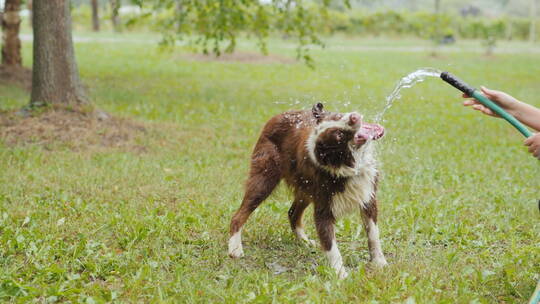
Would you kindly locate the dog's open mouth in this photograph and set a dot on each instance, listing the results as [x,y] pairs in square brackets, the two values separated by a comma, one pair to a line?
[367,132]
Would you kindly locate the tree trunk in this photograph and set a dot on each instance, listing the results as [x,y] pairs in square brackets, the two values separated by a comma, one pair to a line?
[11,21]
[532,29]
[29,7]
[115,16]
[95,15]
[55,77]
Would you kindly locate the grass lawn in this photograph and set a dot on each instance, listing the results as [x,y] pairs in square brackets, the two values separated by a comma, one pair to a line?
[459,216]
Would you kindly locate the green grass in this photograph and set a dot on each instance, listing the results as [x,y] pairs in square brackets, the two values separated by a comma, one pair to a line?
[459,216]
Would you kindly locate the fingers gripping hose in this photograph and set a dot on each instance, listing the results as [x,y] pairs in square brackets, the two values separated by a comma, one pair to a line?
[472,92]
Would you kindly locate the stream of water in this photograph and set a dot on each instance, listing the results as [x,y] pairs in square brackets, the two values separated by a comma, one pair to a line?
[406,82]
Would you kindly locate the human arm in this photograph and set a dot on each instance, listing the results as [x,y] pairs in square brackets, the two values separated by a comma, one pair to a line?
[526,113]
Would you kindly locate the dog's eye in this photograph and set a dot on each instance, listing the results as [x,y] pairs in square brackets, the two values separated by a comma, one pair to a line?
[339,135]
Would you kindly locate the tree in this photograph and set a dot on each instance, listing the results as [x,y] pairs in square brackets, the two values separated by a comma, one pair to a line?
[115,16]
[95,15]
[217,24]
[55,77]
[11,47]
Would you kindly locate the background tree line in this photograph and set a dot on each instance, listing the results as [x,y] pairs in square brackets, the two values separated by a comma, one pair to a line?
[465,23]
[215,26]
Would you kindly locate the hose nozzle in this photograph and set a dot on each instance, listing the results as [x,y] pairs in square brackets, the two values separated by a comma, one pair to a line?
[458,83]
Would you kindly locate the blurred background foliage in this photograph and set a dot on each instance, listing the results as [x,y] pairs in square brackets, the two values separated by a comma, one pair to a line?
[495,19]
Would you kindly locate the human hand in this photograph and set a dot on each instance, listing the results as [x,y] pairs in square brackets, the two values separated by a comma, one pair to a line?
[533,143]
[504,100]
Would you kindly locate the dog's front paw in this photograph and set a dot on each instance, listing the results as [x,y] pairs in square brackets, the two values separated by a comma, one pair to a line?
[235,246]
[379,262]
[301,235]
[236,252]
[311,242]
[342,273]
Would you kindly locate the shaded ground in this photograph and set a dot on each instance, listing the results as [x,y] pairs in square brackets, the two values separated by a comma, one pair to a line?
[19,76]
[76,130]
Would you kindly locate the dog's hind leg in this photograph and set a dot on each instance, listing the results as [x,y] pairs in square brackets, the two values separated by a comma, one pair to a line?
[296,213]
[264,176]
[369,218]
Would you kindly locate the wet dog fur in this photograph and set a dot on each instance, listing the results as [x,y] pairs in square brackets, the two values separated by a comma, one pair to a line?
[326,159]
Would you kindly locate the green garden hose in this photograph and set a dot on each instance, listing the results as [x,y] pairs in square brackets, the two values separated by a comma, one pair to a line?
[472,92]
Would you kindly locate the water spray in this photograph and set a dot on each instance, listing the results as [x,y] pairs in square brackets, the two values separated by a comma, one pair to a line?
[476,94]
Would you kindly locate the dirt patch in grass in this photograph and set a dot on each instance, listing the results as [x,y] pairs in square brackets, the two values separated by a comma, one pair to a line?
[19,76]
[243,57]
[76,130]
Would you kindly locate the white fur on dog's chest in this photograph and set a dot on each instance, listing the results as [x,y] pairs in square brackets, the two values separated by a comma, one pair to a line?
[359,190]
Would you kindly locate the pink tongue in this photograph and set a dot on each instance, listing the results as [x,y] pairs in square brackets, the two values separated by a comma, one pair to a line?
[370,131]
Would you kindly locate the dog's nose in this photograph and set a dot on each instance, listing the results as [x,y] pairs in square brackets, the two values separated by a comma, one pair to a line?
[354,119]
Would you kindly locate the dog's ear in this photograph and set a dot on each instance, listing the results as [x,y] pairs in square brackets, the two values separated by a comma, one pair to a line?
[317,111]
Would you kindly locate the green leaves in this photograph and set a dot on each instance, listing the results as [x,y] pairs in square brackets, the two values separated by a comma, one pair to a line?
[214,26]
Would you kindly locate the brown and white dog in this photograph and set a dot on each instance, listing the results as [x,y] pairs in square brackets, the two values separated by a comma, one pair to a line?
[327,159]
